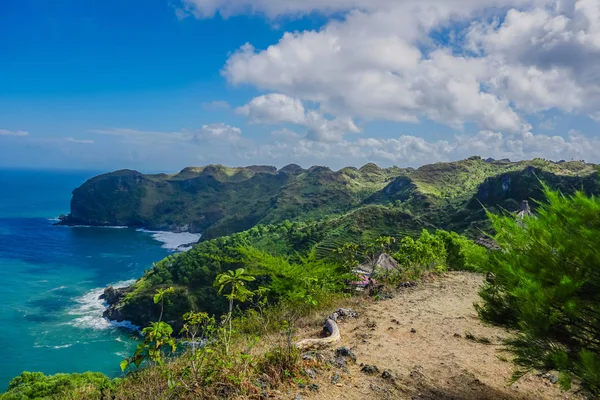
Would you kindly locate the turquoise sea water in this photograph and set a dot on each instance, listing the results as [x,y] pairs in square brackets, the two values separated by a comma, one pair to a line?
[51,277]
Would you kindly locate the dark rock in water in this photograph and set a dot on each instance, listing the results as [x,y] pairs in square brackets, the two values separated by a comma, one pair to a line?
[114,295]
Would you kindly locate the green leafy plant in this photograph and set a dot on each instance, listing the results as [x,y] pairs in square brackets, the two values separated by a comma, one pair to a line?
[157,337]
[35,385]
[236,280]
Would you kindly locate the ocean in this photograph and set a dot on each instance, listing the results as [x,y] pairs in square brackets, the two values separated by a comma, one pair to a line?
[51,278]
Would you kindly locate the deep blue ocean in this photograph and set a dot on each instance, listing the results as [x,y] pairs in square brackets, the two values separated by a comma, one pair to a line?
[51,277]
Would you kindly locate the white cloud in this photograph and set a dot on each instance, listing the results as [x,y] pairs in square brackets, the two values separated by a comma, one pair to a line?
[380,60]
[278,108]
[358,68]
[220,133]
[273,109]
[411,150]
[271,8]
[277,8]
[545,58]
[328,130]
[79,141]
[4,132]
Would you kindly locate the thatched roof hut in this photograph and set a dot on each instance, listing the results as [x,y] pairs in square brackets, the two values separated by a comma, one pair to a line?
[383,262]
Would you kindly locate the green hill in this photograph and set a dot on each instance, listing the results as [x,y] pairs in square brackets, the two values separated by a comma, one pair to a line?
[217,200]
[293,212]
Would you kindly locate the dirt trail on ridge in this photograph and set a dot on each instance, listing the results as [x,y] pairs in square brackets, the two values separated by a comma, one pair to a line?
[420,337]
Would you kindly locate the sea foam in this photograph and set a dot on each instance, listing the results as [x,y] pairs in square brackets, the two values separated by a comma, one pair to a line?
[174,241]
[90,308]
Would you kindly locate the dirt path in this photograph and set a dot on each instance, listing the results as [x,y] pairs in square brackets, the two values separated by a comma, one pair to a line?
[420,337]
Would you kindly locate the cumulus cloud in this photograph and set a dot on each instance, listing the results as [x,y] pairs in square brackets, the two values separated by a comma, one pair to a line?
[381,60]
[273,109]
[278,108]
[5,132]
[271,8]
[220,133]
[546,58]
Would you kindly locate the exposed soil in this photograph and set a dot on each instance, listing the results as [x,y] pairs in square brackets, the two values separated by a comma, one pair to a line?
[430,341]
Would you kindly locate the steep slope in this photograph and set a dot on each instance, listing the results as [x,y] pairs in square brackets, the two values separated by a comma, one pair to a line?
[455,196]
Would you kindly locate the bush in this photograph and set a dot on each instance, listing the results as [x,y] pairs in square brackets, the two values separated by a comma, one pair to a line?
[35,385]
[462,254]
[547,284]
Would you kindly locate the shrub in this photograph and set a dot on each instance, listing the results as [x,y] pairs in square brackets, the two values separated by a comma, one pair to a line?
[462,254]
[547,284]
[35,385]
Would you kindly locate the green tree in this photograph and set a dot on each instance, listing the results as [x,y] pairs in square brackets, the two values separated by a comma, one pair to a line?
[236,280]
[347,256]
[547,284]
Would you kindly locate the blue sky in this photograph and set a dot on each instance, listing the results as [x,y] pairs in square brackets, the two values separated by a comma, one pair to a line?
[160,85]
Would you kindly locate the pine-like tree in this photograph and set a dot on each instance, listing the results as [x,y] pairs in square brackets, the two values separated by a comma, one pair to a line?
[547,285]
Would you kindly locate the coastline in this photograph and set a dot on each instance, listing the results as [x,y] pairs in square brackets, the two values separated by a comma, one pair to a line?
[178,240]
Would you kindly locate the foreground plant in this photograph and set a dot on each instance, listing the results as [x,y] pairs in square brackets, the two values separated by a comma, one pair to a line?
[236,280]
[157,337]
[547,285]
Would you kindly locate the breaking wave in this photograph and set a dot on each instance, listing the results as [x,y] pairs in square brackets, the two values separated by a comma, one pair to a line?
[90,308]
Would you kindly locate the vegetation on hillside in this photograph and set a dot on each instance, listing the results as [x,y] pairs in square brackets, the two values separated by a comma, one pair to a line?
[250,346]
[220,319]
[218,201]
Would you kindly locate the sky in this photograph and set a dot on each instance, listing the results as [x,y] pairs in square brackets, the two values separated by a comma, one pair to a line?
[158,85]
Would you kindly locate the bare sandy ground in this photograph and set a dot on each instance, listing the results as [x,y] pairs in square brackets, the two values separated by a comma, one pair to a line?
[420,337]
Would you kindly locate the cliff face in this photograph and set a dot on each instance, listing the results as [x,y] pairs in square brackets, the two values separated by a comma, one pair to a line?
[217,200]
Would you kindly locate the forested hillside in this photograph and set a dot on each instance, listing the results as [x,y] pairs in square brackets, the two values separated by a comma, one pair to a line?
[218,201]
